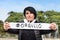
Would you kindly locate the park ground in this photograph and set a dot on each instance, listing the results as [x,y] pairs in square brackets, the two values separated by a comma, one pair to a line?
[17,39]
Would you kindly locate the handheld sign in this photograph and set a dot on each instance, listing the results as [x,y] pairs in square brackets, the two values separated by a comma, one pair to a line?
[37,26]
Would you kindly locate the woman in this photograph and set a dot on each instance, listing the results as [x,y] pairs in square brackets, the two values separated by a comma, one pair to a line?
[26,34]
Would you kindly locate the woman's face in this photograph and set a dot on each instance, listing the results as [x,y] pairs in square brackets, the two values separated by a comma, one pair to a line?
[29,16]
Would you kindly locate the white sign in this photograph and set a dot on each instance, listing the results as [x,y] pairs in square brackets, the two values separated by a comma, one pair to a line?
[37,26]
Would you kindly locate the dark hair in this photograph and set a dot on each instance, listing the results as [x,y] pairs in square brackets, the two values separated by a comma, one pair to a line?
[32,10]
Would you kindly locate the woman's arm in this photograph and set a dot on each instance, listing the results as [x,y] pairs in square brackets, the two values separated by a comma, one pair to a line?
[7,29]
[52,29]
[46,31]
[13,31]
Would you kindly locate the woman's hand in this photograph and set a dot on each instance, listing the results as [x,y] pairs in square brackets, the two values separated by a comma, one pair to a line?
[53,26]
[6,26]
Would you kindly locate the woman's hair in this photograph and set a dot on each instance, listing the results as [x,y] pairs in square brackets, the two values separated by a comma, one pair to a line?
[32,10]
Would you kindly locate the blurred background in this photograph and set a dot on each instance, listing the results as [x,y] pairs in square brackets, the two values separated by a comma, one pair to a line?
[47,11]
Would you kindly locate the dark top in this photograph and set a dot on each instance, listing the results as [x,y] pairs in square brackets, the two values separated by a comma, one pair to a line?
[28,35]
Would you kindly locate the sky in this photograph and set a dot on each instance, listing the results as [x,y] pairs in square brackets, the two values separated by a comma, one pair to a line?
[19,5]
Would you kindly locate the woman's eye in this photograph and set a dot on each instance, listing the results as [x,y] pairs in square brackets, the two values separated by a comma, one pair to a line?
[27,13]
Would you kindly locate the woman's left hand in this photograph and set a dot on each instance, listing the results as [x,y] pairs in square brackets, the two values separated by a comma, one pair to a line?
[53,26]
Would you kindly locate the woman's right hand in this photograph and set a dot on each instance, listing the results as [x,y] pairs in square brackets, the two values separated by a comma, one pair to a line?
[6,26]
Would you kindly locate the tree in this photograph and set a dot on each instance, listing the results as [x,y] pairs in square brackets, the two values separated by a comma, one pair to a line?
[1,25]
[14,17]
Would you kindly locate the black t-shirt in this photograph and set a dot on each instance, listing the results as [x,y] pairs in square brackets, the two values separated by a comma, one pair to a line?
[28,35]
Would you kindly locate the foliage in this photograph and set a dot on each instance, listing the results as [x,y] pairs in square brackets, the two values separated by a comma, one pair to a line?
[14,17]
